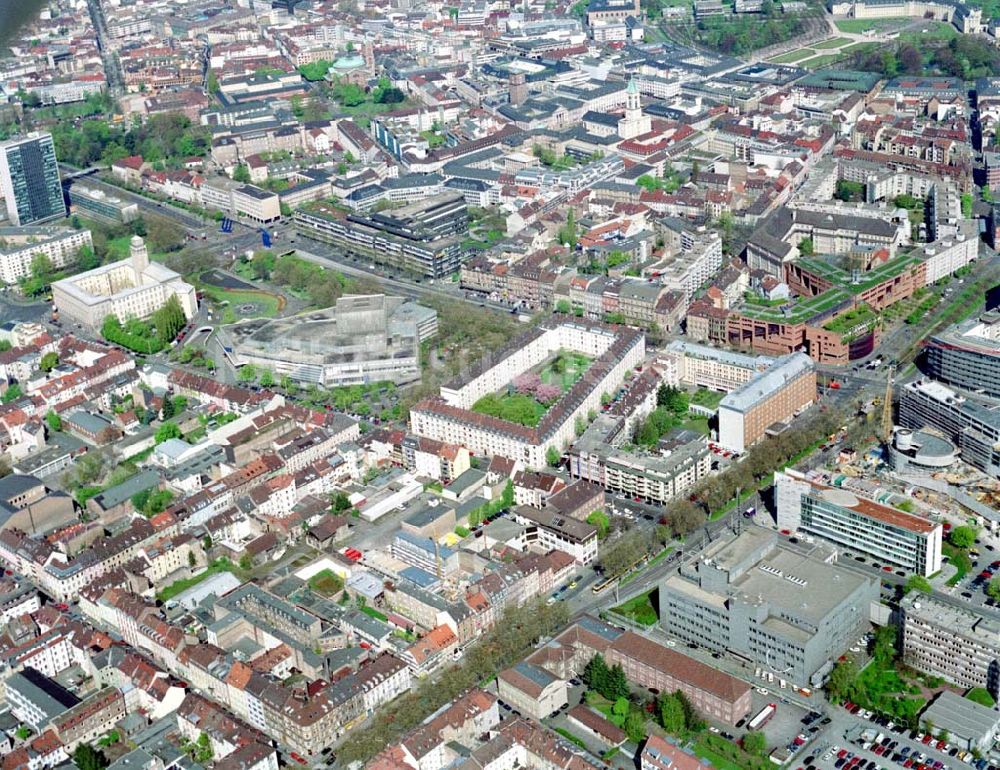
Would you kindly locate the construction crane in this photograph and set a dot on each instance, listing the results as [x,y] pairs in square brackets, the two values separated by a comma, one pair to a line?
[887,407]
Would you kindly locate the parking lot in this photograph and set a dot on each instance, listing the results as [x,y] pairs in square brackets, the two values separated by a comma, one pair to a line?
[860,741]
[796,728]
[985,567]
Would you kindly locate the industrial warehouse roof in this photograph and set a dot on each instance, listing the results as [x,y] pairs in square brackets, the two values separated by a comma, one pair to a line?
[962,717]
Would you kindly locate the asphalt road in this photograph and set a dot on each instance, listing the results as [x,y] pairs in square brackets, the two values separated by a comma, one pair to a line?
[325,255]
[12,309]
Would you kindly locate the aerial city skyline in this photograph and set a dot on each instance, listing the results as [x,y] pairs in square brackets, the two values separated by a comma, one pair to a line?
[553,384]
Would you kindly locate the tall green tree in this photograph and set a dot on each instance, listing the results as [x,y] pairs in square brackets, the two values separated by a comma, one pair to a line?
[247,374]
[754,743]
[86,757]
[49,361]
[884,646]
[596,674]
[672,715]
[54,421]
[692,719]
[918,583]
[962,537]
[568,234]
[166,432]
[635,726]
[169,320]
[843,681]
[617,683]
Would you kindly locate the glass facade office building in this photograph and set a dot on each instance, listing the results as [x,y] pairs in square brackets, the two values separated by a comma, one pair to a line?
[29,178]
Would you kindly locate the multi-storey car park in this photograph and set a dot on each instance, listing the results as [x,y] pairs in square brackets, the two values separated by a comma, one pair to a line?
[449,417]
[855,268]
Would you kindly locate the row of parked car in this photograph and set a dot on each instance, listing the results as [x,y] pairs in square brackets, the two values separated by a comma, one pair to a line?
[912,758]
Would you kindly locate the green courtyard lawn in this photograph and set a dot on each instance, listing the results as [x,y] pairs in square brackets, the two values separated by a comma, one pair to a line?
[752,297]
[374,613]
[882,689]
[179,586]
[267,305]
[481,238]
[697,424]
[791,57]
[935,30]
[981,696]
[860,315]
[820,62]
[727,755]
[707,398]
[513,407]
[639,609]
[560,371]
[565,368]
[326,583]
[597,701]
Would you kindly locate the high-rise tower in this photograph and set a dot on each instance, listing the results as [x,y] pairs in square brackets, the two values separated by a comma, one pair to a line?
[29,179]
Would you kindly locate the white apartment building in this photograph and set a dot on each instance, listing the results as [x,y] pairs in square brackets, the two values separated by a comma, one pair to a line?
[449,418]
[35,699]
[546,530]
[241,200]
[657,87]
[133,288]
[945,256]
[887,534]
[696,257]
[687,363]
[657,479]
[19,245]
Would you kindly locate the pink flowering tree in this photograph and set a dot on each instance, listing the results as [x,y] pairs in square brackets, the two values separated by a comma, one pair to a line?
[547,393]
[527,383]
